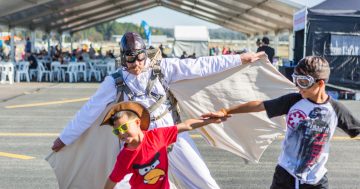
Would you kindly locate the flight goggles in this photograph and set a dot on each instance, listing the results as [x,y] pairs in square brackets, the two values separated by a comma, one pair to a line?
[303,81]
[122,128]
[132,56]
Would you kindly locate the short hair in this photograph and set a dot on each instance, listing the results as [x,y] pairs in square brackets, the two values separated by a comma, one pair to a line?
[129,114]
[265,40]
[315,66]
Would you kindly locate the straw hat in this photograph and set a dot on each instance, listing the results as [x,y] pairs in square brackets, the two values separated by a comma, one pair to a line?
[135,107]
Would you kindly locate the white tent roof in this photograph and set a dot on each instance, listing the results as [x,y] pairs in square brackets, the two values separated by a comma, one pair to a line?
[191,33]
[247,16]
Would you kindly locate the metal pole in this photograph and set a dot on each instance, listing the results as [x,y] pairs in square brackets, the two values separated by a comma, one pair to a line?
[33,39]
[305,32]
[71,42]
[291,45]
[60,40]
[12,45]
[48,40]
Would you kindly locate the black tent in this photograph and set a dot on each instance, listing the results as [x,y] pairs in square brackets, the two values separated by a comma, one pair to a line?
[333,31]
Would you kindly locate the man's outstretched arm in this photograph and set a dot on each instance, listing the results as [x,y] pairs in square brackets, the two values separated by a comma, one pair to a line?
[175,69]
[87,114]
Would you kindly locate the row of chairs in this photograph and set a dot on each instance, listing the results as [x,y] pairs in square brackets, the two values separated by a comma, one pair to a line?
[58,72]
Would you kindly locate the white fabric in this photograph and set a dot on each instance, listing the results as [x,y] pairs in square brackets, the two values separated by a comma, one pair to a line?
[185,163]
[246,135]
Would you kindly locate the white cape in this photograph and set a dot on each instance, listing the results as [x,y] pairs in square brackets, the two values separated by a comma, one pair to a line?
[246,135]
[89,160]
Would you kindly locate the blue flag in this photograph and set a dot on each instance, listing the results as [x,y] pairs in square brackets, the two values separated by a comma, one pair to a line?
[147,31]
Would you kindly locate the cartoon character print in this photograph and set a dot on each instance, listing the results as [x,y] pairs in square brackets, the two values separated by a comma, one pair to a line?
[149,171]
[313,134]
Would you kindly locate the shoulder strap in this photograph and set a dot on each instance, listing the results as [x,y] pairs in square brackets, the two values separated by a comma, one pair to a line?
[121,87]
[155,73]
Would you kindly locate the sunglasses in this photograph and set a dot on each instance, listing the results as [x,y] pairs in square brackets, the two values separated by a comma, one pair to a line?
[122,128]
[304,81]
[135,55]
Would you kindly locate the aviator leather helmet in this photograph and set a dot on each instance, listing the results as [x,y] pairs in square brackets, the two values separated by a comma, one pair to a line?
[131,44]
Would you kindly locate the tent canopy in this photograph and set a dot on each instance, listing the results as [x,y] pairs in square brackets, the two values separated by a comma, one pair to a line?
[334,8]
[247,16]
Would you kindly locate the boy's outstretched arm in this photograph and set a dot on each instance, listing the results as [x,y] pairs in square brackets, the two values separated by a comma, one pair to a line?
[109,184]
[252,106]
[192,124]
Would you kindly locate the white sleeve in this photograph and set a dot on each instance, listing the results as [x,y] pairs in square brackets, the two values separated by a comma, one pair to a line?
[105,94]
[175,69]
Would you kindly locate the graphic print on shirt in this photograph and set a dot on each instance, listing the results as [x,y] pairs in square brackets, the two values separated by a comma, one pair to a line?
[313,133]
[295,117]
[149,171]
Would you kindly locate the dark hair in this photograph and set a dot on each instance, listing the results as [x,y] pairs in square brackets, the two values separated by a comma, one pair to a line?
[129,114]
[265,40]
[315,66]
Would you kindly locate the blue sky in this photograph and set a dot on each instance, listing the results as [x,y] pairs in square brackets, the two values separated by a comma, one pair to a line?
[167,18]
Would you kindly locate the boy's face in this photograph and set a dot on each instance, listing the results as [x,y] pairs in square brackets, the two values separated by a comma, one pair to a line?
[129,130]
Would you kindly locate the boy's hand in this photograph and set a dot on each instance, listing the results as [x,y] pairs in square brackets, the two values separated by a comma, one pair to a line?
[58,144]
[218,114]
[215,120]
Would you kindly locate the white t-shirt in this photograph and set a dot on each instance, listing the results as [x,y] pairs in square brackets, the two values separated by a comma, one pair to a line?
[310,126]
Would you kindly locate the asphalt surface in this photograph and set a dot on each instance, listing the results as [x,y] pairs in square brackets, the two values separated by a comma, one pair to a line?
[28,132]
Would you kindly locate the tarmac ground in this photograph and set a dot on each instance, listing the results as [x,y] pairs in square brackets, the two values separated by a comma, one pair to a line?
[33,114]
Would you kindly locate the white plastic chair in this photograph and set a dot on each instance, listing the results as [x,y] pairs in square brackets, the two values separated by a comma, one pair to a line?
[42,71]
[23,71]
[93,70]
[72,72]
[110,67]
[7,71]
[81,69]
[56,71]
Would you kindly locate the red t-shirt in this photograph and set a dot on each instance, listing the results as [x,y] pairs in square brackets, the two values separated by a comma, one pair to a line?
[148,162]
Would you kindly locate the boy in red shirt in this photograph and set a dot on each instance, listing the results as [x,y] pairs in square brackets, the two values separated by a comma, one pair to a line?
[145,152]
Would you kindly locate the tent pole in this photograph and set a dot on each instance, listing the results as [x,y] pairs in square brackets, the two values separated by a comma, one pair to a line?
[12,45]
[33,39]
[48,42]
[291,45]
[305,32]
[60,38]
[71,42]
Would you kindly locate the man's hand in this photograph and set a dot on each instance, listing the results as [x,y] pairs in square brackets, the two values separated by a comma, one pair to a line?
[252,57]
[58,144]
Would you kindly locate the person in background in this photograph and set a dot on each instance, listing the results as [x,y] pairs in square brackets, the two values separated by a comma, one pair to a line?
[28,45]
[32,60]
[266,48]
[184,55]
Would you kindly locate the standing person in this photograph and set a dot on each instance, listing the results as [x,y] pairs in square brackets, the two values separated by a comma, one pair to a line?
[139,82]
[28,45]
[145,151]
[266,48]
[312,117]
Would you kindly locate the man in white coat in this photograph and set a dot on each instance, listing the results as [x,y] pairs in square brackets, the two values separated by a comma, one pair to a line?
[185,161]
